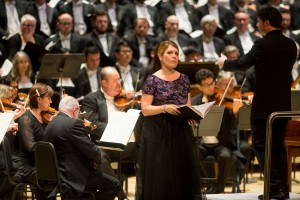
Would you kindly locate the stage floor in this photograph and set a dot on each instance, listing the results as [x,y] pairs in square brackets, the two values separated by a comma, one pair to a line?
[243,196]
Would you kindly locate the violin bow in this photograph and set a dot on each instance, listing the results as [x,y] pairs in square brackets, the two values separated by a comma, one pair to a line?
[225,91]
[135,87]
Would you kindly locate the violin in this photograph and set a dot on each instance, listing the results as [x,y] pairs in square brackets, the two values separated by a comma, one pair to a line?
[8,105]
[127,99]
[48,115]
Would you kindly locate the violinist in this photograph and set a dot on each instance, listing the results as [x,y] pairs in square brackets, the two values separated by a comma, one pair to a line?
[102,104]
[70,140]
[223,146]
[31,130]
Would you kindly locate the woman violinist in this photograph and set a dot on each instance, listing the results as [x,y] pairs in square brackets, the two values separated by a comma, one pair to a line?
[31,130]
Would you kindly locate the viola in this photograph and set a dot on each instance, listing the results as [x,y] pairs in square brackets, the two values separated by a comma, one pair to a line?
[127,99]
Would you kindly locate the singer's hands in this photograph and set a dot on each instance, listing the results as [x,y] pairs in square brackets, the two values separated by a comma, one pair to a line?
[221,61]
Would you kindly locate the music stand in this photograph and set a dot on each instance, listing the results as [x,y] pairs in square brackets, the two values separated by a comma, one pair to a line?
[190,69]
[244,118]
[295,100]
[210,125]
[55,66]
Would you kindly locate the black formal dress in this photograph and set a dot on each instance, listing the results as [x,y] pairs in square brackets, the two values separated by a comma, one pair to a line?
[273,58]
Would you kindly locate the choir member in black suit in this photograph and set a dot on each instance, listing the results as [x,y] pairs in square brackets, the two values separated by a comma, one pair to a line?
[77,152]
[100,36]
[11,12]
[141,43]
[45,15]
[89,77]
[27,34]
[141,10]
[268,70]
[64,40]
[81,11]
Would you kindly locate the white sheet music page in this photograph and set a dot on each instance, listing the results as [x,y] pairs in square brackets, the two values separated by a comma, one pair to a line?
[204,108]
[120,127]
[6,67]
[5,120]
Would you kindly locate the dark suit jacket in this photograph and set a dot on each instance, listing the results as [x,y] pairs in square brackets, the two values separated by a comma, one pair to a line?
[130,17]
[76,44]
[218,43]
[87,10]
[96,102]
[51,17]
[120,12]
[131,39]
[226,16]
[168,8]
[82,83]
[91,39]
[233,39]
[273,63]
[20,6]
[74,149]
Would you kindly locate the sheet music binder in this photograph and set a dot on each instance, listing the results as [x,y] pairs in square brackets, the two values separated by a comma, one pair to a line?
[55,66]
[190,69]
[210,125]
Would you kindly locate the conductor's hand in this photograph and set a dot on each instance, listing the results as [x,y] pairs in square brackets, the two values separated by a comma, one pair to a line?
[221,61]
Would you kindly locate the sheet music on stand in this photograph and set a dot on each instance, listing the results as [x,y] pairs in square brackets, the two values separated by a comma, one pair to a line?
[5,120]
[119,130]
[210,125]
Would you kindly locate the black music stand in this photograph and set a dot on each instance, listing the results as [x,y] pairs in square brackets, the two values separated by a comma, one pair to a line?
[190,69]
[295,100]
[55,66]
[210,125]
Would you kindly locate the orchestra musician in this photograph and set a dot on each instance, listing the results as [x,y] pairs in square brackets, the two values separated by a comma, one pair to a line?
[168,165]
[76,151]
[31,130]
[102,104]
[268,70]
[223,147]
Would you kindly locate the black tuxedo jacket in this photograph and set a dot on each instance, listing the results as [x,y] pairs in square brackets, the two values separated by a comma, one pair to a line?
[168,8]
[131,39]
[218,43]
[91,39]
[130,17]
[74,149]
[273,57]
[87,11]
[76,44]
[226,17]
[52,15]
[82,83]
[233,39]
[120,12]
[96,102]
[20,6]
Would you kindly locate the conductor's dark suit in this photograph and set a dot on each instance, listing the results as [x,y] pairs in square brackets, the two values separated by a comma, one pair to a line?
[273,57]
[76,154]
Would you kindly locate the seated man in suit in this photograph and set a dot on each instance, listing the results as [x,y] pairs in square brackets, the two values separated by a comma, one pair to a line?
[76,151]
[102,104]
[223,146]
[88,79]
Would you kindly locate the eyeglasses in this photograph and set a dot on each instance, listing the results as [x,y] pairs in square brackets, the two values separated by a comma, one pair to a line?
[66,23]
[28,25]
[125,51]
[205,85]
